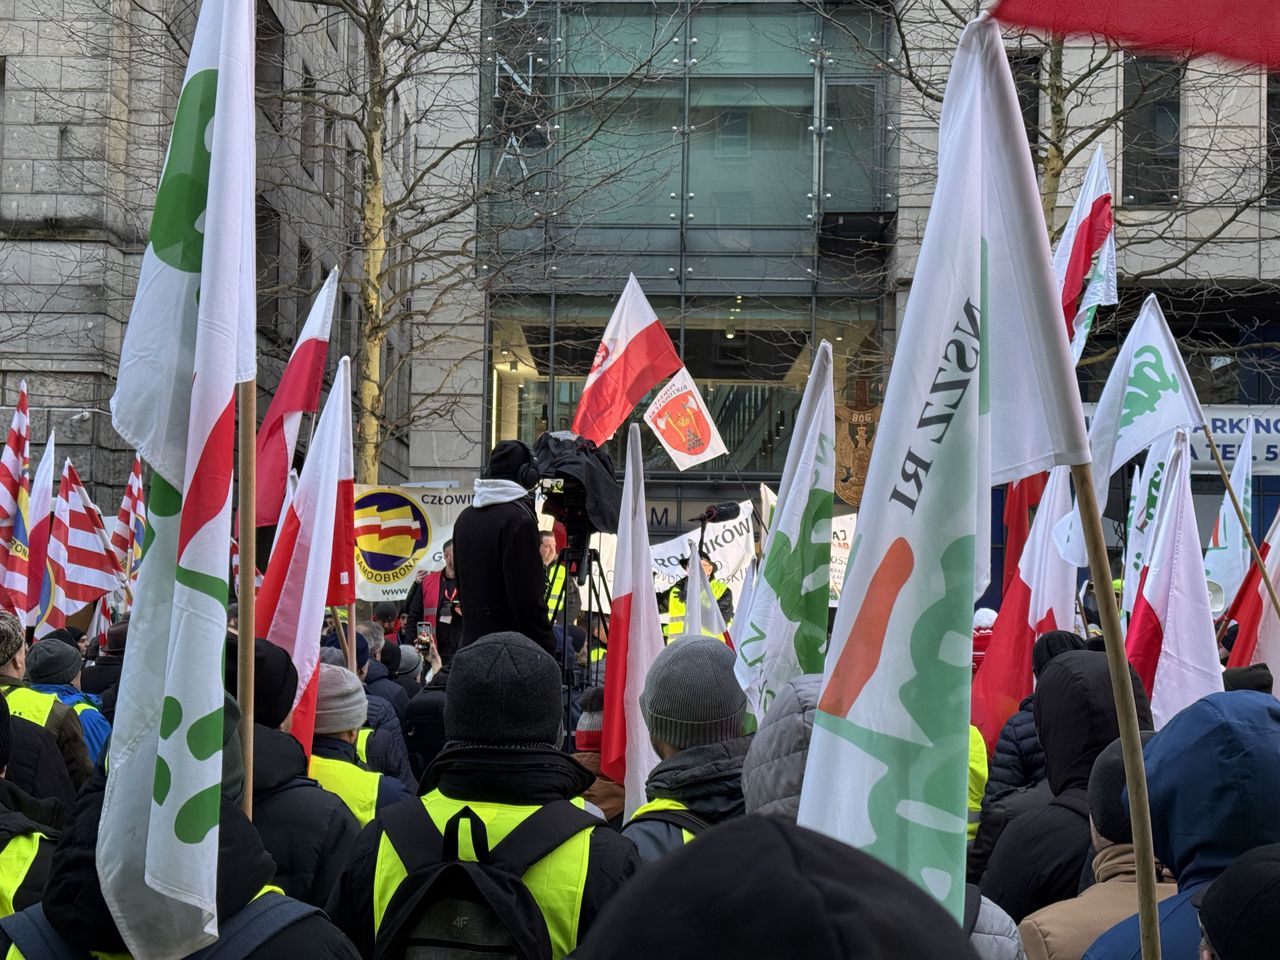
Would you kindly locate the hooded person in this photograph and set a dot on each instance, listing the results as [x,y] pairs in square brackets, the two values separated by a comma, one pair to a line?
[694,708]
[606,794]
[1238,910]
[341,708]
[759,887]
[377,678]
[1041,856]
[1213,776]
[500,575]
[1018,760]
[306,829]
[75,914]
[29,830]
[380,744]
[773,773]
[503,719]
[102,677]
[43,709]
[424,721]
[56,668]
[1064,930]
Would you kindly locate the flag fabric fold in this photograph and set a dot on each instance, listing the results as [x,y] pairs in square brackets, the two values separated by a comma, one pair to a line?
[1148,480]
[14,464]
[1227,556]
[982,352]
[635,355]
[39,525]
[1020,498]
[1170,640]
[635,640]
[784,634]
[1089,233]
[1040,598]
[703,617]
[1147,394]
[190,339]
[1257,626]
[82,566]
[295,589]
[298,393]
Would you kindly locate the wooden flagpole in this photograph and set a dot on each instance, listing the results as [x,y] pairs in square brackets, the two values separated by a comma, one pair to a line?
[1244,524]
[1126,710]
[248,429]
[348,648]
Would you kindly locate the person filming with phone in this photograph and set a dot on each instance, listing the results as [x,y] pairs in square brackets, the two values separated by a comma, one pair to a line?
[434,601]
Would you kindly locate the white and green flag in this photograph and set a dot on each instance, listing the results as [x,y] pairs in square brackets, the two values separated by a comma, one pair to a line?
[1227,555]
[1148,394]
[784,634]
[190,339]
[983,352]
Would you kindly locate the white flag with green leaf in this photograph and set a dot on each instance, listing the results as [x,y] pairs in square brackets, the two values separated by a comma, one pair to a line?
[982,353]
[1227,555]
[190,339]
[784,634]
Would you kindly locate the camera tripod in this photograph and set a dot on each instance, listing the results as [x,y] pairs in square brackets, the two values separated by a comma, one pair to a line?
[579,569]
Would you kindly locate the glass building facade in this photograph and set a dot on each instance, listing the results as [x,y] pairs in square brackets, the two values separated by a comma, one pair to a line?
[736,157]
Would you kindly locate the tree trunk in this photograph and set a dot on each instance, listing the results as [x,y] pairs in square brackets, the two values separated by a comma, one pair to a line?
[1052,163]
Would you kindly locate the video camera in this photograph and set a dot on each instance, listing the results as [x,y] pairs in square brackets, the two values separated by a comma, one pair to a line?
[580,491]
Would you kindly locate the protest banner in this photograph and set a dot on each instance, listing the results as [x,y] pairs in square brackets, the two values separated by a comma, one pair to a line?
[400,530]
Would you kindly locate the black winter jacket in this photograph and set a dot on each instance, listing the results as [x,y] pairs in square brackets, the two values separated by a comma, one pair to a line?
[1018,760]
[75,907]
[103,673]
[306,829]
[23,815]
[385,751]
[378,683]
[501,579]
[35,763]
[424,723]
[491,775]
[1041,856]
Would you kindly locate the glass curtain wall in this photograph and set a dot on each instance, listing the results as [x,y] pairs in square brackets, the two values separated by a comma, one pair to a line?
[701,147]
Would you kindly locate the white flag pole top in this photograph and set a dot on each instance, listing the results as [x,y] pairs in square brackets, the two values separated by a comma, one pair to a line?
[1147,394]
[784,634]
[983,353]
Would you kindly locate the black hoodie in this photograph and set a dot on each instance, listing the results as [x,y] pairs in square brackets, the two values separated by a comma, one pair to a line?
[307,830]
[22,815]
[1041,855]
[74,905]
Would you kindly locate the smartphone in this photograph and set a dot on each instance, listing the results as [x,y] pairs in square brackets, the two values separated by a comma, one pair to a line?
[424,633]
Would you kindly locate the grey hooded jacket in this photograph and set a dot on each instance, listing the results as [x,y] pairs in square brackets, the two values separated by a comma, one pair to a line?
[773,773]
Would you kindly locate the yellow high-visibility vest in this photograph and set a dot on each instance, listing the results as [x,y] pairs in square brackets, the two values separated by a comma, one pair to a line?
[357,788]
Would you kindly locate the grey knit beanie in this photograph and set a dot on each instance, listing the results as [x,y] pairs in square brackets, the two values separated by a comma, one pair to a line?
[341,703]
[504,691]
[691,696]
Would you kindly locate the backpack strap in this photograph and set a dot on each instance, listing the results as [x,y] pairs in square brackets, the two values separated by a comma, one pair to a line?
[972,907]
[539,833]
[684,819]
[414,835]
[253,925]
[31,932]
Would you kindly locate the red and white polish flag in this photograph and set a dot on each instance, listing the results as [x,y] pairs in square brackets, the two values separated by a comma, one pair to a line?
[1089,234]
[296,588]
[14,461]
[635,640]
[635,355]
[1171,639]
[39,522]
[298,393]
[1257,627]
[1040,598]
[82,566]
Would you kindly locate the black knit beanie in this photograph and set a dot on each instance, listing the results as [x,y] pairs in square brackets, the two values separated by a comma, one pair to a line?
[504,691]
[275,681]
[1257,677]
[1050,644]
[1107,806]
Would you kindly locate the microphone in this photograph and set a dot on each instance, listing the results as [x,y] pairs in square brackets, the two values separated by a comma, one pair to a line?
[718,513]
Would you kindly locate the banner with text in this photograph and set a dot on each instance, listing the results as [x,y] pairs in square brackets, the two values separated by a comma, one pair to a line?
[1227,424]
[842,529]
[398,531]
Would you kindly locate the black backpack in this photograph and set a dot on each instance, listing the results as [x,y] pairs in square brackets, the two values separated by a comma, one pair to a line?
[684,819]
[451,909]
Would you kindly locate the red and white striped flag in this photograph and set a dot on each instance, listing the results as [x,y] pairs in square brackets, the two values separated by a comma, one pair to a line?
[1040,598]
[1089,234]
[81,565]
[296,589]
[39,522]
[1257,627]
[298,393]
[635,355]
[131,525]
[14,463]
[635,640]
[1170,640]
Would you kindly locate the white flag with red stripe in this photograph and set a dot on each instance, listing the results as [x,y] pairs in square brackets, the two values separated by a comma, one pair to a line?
[1171,640]
[130,530]
[32,572]
[1148,393]
[82,566]
[635,355]
[298,393]
[14,463]
[1041,597]
[1257,626]
[295,590]
[635,640]
[1084,282]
